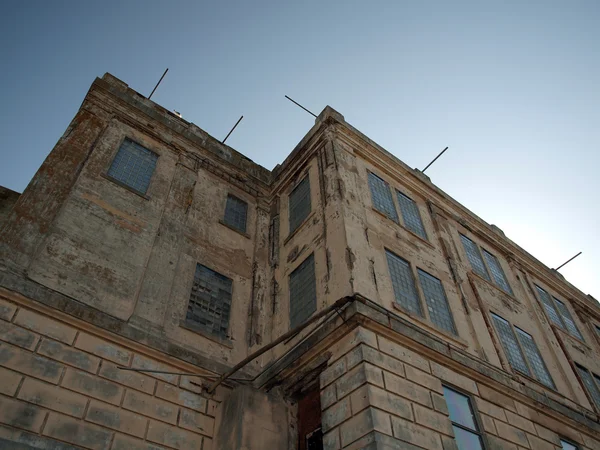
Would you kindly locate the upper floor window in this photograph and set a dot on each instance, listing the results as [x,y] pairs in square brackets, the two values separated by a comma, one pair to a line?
[133,166]
[236,212]
[299,204]
[411,215]
[591,381]
[558,313]
[210,301]
[566,445]
[303,292]
[465,426]
[479,266]
[407,297]
[382,197]
[522,352]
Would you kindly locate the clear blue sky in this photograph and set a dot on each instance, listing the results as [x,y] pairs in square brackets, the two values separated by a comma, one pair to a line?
[511,87]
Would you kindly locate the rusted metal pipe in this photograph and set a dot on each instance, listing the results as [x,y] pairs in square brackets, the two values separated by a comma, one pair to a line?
[338,304]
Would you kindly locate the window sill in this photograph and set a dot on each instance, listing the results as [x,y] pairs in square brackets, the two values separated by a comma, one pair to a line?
[124,186]
[430,327]
[496,287]
[566,333]
[530,379]
[297,230]
[243,233]
[204,333]
[412,233]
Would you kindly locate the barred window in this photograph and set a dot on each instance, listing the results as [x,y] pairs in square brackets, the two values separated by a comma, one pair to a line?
[591,382]
[534,358]
[210,301]
[558,313]
[403,284]
[382,197]
[303,292]
[236,212]
[299,203]
[465,426]
[497,272]
[474,257]
[510,344]
[133,166]
[410,215]
[437,303]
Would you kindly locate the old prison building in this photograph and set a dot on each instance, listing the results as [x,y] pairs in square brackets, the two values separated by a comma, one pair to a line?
[159,290]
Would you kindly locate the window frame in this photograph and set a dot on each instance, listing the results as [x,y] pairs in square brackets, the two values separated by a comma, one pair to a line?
[398,211]
[298,223]
[564,440]
[490,277]
[476,416]
[595,379]
[563,324]
[106,174]
[230,225]
[314,282]
[419,292]
[532,375]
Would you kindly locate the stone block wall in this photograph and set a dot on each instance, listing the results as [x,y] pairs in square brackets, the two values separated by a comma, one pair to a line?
[378,394]
[60,388]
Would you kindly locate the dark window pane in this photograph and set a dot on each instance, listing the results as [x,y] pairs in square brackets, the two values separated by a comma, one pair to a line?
[568,446]
[474,257]
[382,197]
[567,319]
[411,216]
[497,272]
[236,211]
[210,301]
[588,381]
[511,347]
[403,284]
[437,303]
[133,166]
[303,292]
[549,307]
[465,440]
[535,358]
[459,407]
[299,204]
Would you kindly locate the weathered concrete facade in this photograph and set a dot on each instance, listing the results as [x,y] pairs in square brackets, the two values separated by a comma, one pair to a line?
[95,276]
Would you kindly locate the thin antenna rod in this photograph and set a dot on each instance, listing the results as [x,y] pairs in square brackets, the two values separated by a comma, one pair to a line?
[296,103]
[161,78]
[236,124]
[434,160]
[564,264]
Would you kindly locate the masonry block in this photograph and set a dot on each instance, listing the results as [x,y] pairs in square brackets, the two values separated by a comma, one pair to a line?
[150,406]
[29,363]
[370,419]
[46,326]
[9,381]
[69,355]
[496,443]
[424,379]
[408,389]
[92,386]
[172,436]
[185,398]
[16,335]
[333,372]
[53,397]
[439,403]
[454,378]
[77,432]
[196,422]
[103,349]
[116,419]
[7,310]
[403,354]
[123,442]
[416,434]
[147,363]
[434,420]
[128,378]
[331,440]
[490,409]
[21,415]
[512,434]
[336,414]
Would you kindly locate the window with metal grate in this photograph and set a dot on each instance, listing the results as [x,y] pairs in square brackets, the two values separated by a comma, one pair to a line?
[474,257]
[437,303]
[558,313]
[303,292]
[133,166]
[236,212]
[566,445]
[299,204]
[534,358]
[497,272]
[464,422]
[511,346]
[210,301]
[382,197]
[403,283]
[411,215]
[591,382]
